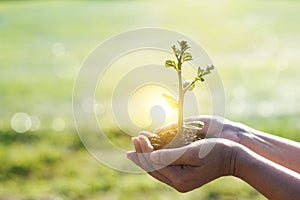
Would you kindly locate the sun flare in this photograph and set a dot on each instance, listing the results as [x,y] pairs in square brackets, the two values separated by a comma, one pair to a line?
[147,107]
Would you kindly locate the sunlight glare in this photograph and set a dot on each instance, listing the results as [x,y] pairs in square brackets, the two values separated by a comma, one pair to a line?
[147,106]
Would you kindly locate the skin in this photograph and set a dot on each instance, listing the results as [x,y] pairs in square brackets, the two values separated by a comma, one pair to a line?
[279,150]
[239,151]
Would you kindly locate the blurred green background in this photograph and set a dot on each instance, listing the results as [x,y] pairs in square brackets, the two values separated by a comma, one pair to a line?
[255,46]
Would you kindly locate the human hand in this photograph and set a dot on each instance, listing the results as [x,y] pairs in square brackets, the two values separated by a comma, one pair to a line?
[185,168]
[215,127]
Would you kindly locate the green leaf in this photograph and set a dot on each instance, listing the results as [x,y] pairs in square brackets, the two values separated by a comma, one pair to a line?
[186,83]
[173,103]
[198,125]
[192,87]
[211,67]
[183,46]
[186,57]
[200,71]
[190,127]
[208,70]
[171,63]
[175,50]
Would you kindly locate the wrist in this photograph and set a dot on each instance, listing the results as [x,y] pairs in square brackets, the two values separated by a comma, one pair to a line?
[235,132]
[244,159]
[232,156]
[265,175]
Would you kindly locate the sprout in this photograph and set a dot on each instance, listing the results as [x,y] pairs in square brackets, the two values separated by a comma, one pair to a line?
[183,56]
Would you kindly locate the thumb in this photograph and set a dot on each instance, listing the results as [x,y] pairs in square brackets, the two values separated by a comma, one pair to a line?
[179,156]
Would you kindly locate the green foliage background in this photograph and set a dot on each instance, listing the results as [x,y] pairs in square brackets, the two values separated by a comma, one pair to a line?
[255,46]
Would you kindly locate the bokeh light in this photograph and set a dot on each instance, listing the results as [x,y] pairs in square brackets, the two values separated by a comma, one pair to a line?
[20,122]
[35,123]
[58,49]
[58,124]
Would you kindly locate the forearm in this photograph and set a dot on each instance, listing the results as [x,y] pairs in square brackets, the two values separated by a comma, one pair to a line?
[280,150]
[272,180]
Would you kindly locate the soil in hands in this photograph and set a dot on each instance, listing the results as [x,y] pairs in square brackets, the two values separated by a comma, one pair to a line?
[168,139]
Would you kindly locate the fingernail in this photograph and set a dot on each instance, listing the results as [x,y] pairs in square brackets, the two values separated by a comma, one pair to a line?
[145,133]
[142,137]
[134,140]
[154,156]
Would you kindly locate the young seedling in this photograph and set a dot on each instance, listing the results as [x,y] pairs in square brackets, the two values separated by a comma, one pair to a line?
[185,133]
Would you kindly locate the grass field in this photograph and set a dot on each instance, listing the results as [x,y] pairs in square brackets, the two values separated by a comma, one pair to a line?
[254,45]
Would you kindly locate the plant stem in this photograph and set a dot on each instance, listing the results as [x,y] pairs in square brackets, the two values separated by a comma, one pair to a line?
[188,87]
[180,102]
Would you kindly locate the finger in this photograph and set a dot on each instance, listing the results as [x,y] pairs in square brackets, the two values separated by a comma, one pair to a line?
[213,125]
[160,172]
[146,133]
[136,144]
[186,155]
[138,160]
[206,119]
[139,156]
[155,174]
[146,148]
[145,144]
[143,154]
[203,118]
[166,175]
[131,155]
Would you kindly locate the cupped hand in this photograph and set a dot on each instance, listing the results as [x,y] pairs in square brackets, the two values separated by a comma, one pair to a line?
[215,127]
[186,168]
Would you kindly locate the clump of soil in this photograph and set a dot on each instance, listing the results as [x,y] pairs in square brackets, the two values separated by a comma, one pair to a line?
[169,139]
